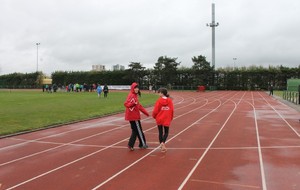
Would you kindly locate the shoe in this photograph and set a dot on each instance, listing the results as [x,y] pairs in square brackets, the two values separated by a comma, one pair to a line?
[144,147]
[130,148]
[163,147]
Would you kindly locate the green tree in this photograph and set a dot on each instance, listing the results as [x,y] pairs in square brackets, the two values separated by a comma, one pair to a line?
[165,70]
[203,72]
[136,72]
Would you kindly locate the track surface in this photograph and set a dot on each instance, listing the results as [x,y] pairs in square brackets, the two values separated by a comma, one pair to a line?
[218,140]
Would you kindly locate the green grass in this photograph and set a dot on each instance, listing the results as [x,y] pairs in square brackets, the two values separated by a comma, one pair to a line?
[278,93]
[29,110]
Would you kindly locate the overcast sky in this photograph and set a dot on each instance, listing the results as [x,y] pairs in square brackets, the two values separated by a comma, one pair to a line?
[76,34]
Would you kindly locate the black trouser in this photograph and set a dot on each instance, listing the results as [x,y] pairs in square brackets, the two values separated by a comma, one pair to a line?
[163,135]
[136,131]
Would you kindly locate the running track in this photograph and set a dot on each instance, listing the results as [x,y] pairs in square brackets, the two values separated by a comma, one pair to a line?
[218,140]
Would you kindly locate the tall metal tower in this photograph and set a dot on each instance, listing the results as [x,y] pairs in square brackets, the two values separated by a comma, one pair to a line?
[213,25]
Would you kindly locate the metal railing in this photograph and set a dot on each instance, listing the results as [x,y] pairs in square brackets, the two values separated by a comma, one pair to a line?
[291,96]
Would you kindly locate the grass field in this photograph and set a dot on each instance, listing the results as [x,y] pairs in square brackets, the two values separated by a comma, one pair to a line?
[29,110]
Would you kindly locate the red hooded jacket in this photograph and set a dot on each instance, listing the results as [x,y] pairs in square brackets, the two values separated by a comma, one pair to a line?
[133,107]
[163,111]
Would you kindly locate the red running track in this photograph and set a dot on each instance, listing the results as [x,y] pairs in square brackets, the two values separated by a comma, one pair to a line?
[218,140]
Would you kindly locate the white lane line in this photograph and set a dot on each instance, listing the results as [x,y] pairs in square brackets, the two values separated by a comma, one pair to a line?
[47,150]
[209,146]
[230,184]
[261,163]
[281,116]
[205,152]
[56,134]
[262,169]
[62,166]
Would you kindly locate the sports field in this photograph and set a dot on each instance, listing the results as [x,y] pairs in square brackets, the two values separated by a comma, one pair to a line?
[23,110]
[218,140]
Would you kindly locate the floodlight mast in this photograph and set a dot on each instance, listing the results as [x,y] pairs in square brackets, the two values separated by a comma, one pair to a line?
[213,24]
[37,56]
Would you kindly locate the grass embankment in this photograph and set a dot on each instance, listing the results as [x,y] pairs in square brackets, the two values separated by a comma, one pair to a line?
[29,110]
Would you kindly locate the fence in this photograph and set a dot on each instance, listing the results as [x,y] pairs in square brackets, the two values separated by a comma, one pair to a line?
[291,96]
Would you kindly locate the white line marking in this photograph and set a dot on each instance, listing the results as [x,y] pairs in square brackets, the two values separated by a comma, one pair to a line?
[209,146]
[62,166]
[205,152]
[231,184]
[56,134]
[281,116]
[261,163]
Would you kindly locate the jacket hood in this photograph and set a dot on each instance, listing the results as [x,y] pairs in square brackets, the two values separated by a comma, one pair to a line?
[133,85]
[164,101]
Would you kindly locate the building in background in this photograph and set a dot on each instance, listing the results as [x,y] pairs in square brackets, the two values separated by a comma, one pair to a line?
[118,67]
[98,67]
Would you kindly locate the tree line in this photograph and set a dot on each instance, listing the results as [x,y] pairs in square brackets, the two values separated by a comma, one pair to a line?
[166,72]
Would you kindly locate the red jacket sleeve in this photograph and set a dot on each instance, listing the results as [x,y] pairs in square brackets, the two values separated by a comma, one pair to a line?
[130,102]
[156,109]
[172,109]
[143,110]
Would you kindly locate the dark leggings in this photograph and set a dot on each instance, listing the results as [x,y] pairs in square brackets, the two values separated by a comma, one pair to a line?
[163,134]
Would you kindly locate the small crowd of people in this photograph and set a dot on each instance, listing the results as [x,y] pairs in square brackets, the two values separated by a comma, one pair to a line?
[50,88]
[163,113]
[76,87]
[88,88]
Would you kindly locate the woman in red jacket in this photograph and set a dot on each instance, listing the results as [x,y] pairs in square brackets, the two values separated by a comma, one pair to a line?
[132,114]
[163,114]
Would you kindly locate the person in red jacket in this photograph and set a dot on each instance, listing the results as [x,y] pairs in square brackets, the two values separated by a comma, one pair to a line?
[163,113]
[132,114]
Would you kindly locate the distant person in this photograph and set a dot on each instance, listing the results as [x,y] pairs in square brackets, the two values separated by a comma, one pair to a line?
[55,87]
[154,88]
[163,113]
[105,90]
[49,88]
[132,114]
[271,90]
[150,88]
[99,90]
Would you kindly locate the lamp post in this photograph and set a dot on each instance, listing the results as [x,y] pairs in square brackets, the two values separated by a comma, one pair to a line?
[234,59]
[37,57]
